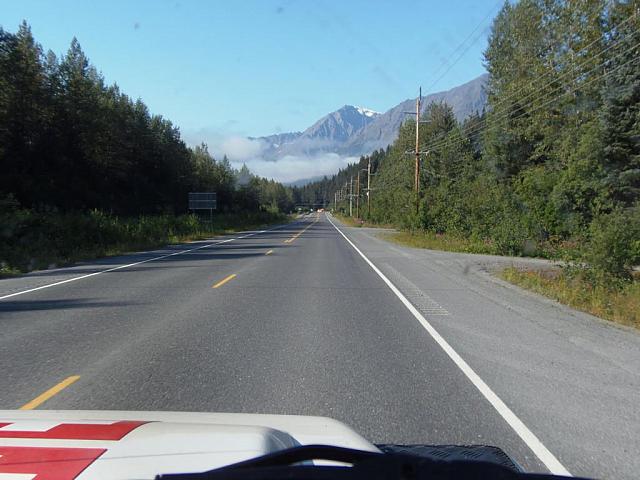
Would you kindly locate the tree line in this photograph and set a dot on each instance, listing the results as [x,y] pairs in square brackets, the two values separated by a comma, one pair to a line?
[71,143]
[555,157]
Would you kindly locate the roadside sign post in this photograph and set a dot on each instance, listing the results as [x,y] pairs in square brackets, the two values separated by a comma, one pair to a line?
[204,201]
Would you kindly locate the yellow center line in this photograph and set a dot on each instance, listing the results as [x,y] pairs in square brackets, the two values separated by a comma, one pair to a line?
[269,252]
[224,280]
[40,399]
[289,240]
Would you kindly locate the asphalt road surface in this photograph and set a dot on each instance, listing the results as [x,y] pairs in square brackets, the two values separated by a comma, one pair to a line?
[404,345]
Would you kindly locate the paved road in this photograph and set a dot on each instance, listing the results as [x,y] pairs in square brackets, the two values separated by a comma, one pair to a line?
[428,349]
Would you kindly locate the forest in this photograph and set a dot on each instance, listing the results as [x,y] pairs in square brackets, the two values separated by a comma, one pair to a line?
[69,142]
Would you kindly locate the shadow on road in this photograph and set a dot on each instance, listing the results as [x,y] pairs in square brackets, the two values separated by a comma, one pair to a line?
[39,305]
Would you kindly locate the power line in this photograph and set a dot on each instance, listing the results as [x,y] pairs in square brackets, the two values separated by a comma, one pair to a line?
[550,100]
[462,54]
[532,83]
[504,113]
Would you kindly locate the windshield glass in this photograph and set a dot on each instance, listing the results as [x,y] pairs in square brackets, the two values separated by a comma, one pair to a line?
[419,219]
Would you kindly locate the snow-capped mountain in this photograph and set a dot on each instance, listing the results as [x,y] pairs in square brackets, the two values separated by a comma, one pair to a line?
[330,131]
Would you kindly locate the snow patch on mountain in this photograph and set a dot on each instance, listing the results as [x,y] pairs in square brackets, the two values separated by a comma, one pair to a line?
[367,112]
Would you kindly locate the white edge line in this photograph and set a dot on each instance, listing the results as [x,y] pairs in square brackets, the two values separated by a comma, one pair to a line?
[42,287]
[529,438]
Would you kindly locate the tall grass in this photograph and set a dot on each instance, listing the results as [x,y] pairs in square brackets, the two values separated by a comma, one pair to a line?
[440,241]
[616,301]
[32,240]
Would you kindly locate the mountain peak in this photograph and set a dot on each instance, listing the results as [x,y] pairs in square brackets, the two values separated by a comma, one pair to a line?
[367,112]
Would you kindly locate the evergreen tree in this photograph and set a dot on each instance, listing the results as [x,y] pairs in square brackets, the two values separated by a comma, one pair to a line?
[620,114]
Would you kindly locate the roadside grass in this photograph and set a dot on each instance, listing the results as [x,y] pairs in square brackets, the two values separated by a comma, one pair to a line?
[357,222]
[620,305]
[220,227]
[437,241]
[30,241]
[552,249]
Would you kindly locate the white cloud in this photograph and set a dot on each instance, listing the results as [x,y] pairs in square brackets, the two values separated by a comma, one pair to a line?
[236,147]
[289,168]
[241,149]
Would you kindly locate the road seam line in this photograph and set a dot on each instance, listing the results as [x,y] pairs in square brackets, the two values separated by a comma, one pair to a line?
[224,280]
[43,397]
[527,436]
[61,282]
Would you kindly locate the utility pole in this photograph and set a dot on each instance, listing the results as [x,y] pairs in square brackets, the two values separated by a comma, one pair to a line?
[345,195]
[358,196]
[417,152]
[351,196]
[369,189]
[417,173]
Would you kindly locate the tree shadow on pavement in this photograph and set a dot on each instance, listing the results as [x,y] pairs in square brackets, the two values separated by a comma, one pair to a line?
[40,305]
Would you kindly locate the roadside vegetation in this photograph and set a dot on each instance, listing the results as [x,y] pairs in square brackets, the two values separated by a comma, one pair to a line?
[619,303]
[550,249]
[357,222]
[439,241]
[35,241]
[551,168]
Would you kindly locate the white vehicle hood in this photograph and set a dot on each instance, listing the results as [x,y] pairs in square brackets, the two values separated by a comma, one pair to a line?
[65,444]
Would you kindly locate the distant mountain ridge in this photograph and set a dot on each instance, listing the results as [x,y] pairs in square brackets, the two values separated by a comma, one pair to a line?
[355,131]
[326,135]
[304,181]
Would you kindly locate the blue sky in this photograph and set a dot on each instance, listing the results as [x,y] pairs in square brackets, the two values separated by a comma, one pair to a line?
[250,67]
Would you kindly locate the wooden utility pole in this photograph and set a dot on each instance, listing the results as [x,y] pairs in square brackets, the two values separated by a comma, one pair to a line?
[346,193]
[358,196]
[369,189]
[351,196]
[417,172]
[417,152]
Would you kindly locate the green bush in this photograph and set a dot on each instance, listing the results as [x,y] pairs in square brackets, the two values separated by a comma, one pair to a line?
[510,236]
[614,244]
[534,187]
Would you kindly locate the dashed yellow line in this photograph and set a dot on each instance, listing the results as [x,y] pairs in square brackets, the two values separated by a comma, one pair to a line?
[289,240]
[40,399]
[269,252]
[224,280]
